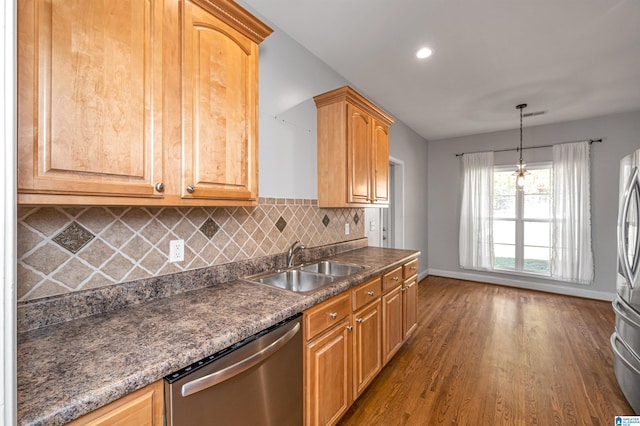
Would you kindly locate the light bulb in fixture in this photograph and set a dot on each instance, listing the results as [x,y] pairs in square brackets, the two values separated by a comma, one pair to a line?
[423,53]
[520,173]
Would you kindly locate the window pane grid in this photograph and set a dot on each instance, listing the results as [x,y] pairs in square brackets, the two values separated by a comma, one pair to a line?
[522,221]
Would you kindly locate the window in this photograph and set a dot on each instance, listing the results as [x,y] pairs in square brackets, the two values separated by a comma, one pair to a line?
[522,220]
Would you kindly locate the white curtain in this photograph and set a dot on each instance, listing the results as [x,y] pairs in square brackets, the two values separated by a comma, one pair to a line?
[572,258]
[476,214]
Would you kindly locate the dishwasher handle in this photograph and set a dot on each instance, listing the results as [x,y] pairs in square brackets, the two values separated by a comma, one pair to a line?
[217,377]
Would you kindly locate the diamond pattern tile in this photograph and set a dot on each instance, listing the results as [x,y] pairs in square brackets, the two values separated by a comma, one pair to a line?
[73,237]
[209,228]
[281,224]
[65,249]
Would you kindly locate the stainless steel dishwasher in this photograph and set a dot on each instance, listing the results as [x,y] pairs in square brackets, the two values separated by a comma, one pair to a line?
[257,381]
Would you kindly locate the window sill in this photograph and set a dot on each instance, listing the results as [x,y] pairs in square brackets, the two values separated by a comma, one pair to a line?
[522,273]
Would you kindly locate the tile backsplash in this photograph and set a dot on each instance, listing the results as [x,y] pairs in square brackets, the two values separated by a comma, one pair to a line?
[66,249]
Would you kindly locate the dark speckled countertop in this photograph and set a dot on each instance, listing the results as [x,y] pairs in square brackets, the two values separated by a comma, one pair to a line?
[69,369]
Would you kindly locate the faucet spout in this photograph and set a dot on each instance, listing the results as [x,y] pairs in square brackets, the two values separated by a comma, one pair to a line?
[295,247]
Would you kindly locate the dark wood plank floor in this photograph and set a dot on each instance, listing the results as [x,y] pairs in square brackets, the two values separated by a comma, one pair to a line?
[492,355]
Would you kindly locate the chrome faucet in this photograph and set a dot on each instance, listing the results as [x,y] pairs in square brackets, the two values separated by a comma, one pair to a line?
[295,247]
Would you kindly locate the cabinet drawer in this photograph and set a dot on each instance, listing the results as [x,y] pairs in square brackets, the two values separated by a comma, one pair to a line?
[409,269]
[392,279]
[325,315]
[366,293]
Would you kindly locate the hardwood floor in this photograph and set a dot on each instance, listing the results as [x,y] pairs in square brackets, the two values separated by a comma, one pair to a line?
[491,355]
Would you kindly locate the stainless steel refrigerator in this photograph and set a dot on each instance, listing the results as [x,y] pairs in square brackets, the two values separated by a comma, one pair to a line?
[625,341]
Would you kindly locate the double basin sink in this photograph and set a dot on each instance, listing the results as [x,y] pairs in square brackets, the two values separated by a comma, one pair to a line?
[307,278]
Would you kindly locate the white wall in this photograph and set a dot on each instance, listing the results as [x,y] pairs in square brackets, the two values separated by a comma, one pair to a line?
[622,135]
[290,76]
[407,146]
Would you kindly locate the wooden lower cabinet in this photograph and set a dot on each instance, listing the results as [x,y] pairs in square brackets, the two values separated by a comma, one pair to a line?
[143,407]
[328,375]
[367,345]
[410,306]
[392,327]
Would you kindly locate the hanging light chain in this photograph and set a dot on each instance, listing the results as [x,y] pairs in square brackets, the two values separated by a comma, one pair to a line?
[521,133]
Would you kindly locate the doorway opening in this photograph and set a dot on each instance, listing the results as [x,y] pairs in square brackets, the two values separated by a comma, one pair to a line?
[385,225]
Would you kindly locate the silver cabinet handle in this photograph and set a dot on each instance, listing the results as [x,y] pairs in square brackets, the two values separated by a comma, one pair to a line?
[395,278]
[413,268]
[370,293]
[191,189]
[159,187]
[359,320]
[349,327]
[333,315]
[213,379]
[403,289]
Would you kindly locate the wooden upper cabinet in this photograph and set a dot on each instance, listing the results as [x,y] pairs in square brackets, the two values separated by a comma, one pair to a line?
[380,156]
[353,150]
[220,68]
[137,102]
[90,97]
[359,154]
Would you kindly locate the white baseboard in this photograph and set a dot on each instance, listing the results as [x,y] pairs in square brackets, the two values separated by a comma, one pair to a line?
[518,282]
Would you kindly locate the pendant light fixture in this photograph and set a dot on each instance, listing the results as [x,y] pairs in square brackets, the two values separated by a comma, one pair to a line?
[520,170]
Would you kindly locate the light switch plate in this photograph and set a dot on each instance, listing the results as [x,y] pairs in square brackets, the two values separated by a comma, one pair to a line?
[372,225]
[346,229]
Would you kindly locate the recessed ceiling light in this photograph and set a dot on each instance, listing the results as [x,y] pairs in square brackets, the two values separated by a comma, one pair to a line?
[425,52]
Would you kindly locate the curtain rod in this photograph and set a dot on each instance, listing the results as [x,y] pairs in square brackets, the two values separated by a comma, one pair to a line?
[530,147]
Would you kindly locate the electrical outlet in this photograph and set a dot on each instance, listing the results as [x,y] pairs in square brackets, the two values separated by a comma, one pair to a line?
[372,225]
[346,229]
[176,251]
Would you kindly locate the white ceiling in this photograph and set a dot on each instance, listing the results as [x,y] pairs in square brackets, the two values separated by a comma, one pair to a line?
[572,58]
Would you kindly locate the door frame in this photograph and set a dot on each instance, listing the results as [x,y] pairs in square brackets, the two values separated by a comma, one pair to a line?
[396,203]
[8,211]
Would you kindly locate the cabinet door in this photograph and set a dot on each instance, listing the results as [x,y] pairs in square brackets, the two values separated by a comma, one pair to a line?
[392,319]
[90,97]
[143,407]
[380,160]
[220,86]
[358,155]
[410,302]
[367,346]
[328,376]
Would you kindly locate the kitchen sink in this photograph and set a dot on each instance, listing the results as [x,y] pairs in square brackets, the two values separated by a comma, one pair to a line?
[294,280]
[329,267]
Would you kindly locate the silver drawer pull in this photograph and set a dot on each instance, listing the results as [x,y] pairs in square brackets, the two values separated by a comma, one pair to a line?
[395,278]
[370,293]
[333,315]
[404,289]
[191,189]
[359,320]
[413,268]
[349,327]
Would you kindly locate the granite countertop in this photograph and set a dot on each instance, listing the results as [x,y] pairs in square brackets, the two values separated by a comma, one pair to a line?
[69,369]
